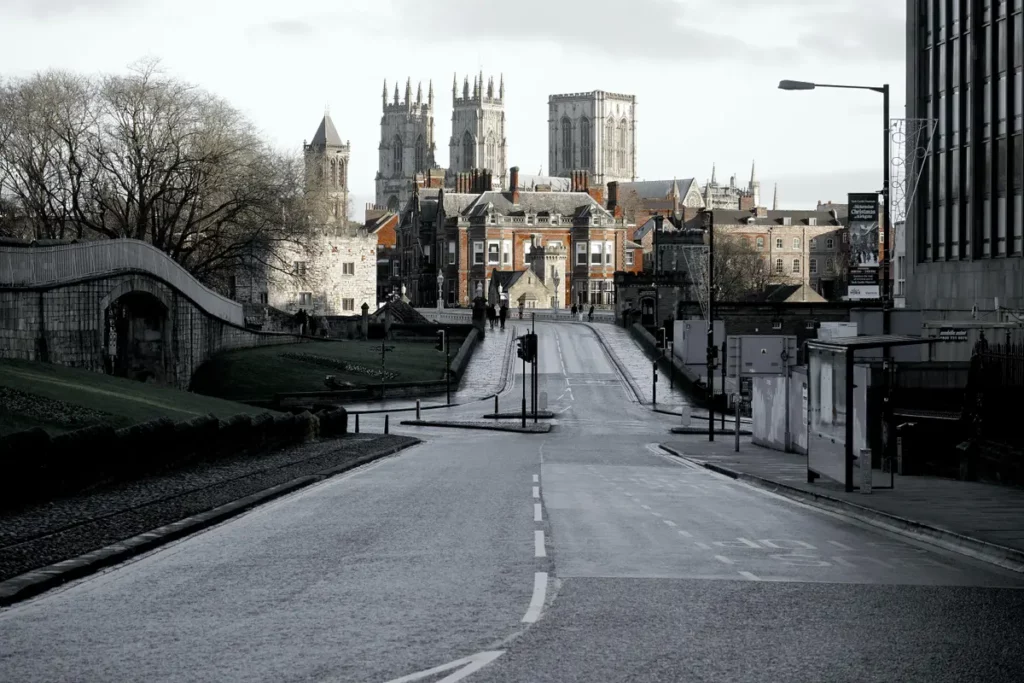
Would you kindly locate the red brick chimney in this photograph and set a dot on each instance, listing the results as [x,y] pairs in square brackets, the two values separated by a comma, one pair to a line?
[613,196]
[513,183]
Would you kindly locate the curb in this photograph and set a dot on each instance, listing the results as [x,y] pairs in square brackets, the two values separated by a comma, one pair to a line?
[630,383]
[542,414]
[704,430]
[41,580]
[730,418]
[1001,556]
[529,429]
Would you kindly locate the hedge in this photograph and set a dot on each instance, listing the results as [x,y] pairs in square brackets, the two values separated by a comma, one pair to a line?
[35,466]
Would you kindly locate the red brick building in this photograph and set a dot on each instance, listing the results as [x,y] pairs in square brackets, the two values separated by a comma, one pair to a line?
[467,234]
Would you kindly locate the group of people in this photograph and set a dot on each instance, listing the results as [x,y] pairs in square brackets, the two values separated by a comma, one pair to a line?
[577,312]
[496,314]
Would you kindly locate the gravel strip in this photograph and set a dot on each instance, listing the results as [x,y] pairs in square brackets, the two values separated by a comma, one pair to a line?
[491,425]
[66,528]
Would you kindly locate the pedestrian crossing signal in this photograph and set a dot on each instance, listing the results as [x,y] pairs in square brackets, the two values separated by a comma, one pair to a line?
[440,341]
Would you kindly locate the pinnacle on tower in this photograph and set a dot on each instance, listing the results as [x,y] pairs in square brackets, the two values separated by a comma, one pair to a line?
[753,174]
[775,198]
[465,88]
[419,92]
[476,88]
[408,91]
[430,92]
[481,82]
[384,95]
[501,87]
[714,179]
[490,87]
[396,93]
[455,85]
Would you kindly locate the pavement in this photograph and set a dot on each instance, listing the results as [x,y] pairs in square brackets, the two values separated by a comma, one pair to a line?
[586,554]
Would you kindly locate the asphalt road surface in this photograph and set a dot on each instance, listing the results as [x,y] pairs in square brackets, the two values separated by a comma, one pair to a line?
[581,555]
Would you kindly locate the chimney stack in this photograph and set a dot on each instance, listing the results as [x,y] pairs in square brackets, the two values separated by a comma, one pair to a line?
[513,183]
[613,195]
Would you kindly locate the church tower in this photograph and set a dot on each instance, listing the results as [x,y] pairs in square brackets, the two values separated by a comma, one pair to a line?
[406,144]
[327,158]
[478,128]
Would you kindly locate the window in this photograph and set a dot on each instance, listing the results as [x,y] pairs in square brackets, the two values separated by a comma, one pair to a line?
[595,253]
[527,246]
[426,251]
[778,265]
[622,143]
[787,220]
[348,268]
[830,243]
[813,266]
[567,143]
[796,242]
[451,253]
[796,266]
[396,268]
[348,304]
[581,253]
[493,253]
[492,152]
[609,253]
[300,268]
[812,221]
[778,243]
[396,156]
[901,280]
[264,298]
[421,150]
[478,253]
[506,252]
[609,142]
[760,243]
[830,266]
[468,157]
[630,257]
[305,298]
[812,244]
[585,160]
[776,324]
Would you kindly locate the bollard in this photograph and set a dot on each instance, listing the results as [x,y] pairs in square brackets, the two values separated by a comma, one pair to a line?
[736,406]
[685,414]
[386,417]
[417,409]
[496,404]
[357,423]
[866,475]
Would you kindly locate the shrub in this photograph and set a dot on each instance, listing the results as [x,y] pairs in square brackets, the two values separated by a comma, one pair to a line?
[22,455]
[79,458]
[283,429]
[333,422]
[261,430]
[308,427]
[234,435]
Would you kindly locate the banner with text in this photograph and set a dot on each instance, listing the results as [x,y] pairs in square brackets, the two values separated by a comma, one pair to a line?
[864,271]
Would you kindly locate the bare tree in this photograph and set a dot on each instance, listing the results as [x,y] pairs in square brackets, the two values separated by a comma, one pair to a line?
[740,270]
[631,203]
[148,157]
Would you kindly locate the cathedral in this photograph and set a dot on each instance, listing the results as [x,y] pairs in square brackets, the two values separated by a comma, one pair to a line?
[407,147]
[594,132]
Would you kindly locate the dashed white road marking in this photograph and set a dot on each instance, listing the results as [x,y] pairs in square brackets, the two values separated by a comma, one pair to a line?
[538,544]
[669,522]
[540,589]
[723,558]
[845,563]
[687,534]
[469,665]
[748,542]
[537,512]
[841,546]
[536,492]
[750,575]
[702,546]
[646,507]
[656,514]
[536,478]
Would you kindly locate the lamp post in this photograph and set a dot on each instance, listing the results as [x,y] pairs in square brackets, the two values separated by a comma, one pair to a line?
[440,285]
[886,180]
[658,219]
[555,280]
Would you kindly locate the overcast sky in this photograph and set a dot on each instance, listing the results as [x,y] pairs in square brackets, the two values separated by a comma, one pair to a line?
[705,72]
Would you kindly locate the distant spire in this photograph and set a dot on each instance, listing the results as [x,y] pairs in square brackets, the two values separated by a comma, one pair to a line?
[490,87]
[396,92]
[476,87]
[430,92]
[455,85]
[481,82]
[714,179]
[501,87]
[408,91]
[419,92]
[775,198]
[384,95]
[465,87]
[753,174]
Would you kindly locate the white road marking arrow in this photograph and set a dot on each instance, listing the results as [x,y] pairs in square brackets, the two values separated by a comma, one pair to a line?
[469,665]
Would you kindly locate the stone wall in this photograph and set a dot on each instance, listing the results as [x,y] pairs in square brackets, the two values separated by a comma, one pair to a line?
[66,325]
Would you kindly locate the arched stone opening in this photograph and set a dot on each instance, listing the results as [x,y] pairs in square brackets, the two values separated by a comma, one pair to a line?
[137,337]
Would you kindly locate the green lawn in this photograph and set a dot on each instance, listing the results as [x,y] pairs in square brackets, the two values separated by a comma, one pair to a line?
[257,374]
[61,399]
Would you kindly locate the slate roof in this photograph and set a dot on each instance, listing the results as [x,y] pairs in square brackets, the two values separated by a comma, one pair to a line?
[564,203]
[507,278]
[735,217]
[656,189]
[326,135]
[529,182]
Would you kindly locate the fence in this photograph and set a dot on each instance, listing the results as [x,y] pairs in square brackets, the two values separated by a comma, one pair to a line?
[68,263]
[994,391]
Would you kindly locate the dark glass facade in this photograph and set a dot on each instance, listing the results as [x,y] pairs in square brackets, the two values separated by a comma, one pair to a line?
[965,236]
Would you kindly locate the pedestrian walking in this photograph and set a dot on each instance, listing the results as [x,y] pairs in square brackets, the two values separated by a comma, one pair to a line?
[503,314]
[575,309]
[492,315]
[590,314]
[521,306]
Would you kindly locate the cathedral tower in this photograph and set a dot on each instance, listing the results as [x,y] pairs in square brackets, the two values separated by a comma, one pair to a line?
[478,127]
[406,143]
[327,159]
[594,132]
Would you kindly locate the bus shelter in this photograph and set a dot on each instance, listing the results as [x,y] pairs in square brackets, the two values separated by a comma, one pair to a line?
[837,406]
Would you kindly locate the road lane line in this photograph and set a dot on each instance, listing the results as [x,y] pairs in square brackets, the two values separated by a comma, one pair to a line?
[656,514]
[538,544]
[702,546]
[669,522]
[687,534]
[540,589]
[841,546]
[844,563]
[469,665]
[723,558]
[748,542]
[537,512]
[536,492]
[750,575]
[536,478]
[646,507]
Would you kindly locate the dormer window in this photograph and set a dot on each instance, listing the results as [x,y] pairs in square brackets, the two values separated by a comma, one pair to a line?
[786,220]
[812,221]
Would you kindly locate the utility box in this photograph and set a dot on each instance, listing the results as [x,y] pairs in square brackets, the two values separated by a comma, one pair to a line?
[750,355]
[691,340]
[835,330]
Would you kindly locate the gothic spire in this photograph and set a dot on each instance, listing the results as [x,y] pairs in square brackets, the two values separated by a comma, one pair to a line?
[455,85]
[753,174]
[465,87]
[501,87]
[396,92]
[430,92]
[775,198]
[384,95]
[490,87]
[408,90]
[476,87]
[714,179]
[419,92]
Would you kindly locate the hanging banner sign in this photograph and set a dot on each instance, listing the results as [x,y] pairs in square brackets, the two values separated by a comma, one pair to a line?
[864,270]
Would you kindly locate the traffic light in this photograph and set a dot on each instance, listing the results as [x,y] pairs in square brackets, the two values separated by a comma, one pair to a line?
[531,347]
[662,342]
[440,341]
[520,350]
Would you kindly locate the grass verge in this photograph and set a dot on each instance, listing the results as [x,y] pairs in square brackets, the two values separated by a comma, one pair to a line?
[61,399]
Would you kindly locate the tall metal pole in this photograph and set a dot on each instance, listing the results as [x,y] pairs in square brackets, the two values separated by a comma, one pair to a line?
[886,265]
[711,326]
[524,390]
[657,267]
[447,367]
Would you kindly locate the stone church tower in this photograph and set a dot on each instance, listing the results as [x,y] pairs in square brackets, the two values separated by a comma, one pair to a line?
[478,128]
[327,158]
[594,132]
[406,144]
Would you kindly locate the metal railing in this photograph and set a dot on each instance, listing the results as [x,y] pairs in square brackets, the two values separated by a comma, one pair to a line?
[994,390]
[546,314]
[53,266]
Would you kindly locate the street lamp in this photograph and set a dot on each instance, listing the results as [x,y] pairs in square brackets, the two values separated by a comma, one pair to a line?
[555,280]
[440,284]
[886,180]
